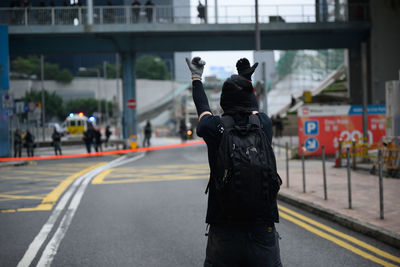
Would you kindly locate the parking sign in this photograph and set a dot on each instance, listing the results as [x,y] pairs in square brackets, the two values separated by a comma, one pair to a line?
[311,127]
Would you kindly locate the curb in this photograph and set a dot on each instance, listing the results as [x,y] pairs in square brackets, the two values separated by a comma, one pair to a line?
[13,164]
[378,233]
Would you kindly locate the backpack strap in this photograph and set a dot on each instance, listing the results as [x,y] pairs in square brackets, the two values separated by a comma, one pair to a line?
[255,120]
[227,122]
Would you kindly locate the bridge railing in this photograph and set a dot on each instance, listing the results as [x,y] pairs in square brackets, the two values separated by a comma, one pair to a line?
[180,14]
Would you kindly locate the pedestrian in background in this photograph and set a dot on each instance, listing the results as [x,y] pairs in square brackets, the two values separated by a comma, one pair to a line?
[17,143]
[97,140]
[202,12]
[29,142]
[135,11]
[108,134]
[147,134]
[56,137]
[183,130]
[242,175]
[149,10]
[88,137]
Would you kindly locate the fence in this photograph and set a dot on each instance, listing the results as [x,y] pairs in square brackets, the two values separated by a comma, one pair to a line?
[164,14]
[384,155]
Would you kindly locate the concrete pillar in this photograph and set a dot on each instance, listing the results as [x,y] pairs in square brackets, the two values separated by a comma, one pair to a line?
[354,75]
[89,12]
[129,92]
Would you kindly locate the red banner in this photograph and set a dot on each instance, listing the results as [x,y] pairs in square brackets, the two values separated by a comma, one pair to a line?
[326,125]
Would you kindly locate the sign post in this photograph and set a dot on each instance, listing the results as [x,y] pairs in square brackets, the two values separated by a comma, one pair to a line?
[131,103]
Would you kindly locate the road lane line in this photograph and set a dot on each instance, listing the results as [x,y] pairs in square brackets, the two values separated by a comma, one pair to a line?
[20,197]
[342,235]
[336,240]
[40,238]
[51,248]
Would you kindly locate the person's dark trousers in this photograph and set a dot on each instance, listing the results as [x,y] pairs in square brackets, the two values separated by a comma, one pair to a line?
[247,246]
[88,146]
[146,142]
[29,150]
[17,150]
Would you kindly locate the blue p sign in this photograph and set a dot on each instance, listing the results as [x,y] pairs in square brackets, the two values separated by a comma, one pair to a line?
[311,128]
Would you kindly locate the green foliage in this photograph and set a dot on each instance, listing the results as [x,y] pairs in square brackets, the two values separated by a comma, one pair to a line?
[153,68]
[53,103]
[284,65]
[31,66]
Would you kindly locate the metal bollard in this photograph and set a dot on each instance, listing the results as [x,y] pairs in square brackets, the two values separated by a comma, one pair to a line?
[303,168]
[324,172]
[287,164]
[380,184]
[348,175]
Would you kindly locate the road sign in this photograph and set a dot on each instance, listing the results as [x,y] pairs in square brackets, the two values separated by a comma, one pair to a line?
[311,144]
[32,106]
[311,127]
[19,107]
[8,101]
[307,96]
[131,103]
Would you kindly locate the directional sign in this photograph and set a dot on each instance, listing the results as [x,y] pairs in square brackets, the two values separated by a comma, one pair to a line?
[131,103]
[311,127]
[8,101]
[311,144]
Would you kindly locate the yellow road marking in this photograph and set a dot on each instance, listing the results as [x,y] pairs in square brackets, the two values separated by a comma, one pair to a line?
[51,198]
[342,235]
[336,240]
[41,172]
[20,197]
[141,180]
[100,177]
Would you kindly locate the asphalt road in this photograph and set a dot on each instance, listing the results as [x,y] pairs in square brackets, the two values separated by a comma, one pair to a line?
[145,210]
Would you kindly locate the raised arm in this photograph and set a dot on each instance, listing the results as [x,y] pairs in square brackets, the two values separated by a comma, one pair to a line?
[196,67]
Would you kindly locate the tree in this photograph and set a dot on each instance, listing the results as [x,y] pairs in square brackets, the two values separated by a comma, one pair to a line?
[30,66]
[150,67]
[53,103]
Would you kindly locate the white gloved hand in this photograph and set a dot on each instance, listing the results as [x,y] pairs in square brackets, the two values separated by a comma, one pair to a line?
[196,66]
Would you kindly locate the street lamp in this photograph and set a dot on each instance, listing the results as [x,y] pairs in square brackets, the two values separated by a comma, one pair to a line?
[98,88]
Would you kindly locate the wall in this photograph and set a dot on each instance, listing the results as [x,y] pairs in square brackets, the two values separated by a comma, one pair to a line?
[148,92]
[385,46]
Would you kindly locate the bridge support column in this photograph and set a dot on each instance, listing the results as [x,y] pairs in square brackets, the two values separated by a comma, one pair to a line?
[354,75]
[129,92]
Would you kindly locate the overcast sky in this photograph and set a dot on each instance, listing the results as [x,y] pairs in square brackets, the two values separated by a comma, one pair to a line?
[242,8]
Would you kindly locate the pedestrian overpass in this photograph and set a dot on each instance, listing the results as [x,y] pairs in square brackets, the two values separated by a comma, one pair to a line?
[60,30]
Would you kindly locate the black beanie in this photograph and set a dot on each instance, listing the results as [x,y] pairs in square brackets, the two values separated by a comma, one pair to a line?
[244,69]
[237,96]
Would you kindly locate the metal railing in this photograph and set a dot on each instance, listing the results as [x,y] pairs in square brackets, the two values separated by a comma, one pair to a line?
[178,14]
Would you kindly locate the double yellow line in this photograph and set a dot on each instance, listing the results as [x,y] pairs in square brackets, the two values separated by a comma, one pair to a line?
[309,224]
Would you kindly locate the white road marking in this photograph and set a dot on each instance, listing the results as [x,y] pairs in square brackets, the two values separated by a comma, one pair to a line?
[51,248]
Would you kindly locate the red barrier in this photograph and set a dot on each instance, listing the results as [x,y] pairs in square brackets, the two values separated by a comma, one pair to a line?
[96,154]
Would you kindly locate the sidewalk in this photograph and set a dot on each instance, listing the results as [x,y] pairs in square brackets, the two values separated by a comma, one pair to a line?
[364,215]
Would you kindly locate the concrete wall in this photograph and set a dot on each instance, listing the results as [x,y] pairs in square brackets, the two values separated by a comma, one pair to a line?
[148,92]
[385,47]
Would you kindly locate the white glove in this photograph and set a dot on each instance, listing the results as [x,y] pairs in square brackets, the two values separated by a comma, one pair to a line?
[196,67]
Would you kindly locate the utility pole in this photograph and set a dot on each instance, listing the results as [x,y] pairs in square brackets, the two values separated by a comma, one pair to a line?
[206,12]
[257,30]
[216,11]
[89,12]
[264,73]
[105,78]
[42,83]
[364,78]
[118,115]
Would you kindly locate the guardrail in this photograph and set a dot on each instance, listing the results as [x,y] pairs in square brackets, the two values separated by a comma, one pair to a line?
[162,14]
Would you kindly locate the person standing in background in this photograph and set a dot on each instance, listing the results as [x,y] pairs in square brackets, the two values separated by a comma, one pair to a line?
[17,143]
[56,137]
[29,142]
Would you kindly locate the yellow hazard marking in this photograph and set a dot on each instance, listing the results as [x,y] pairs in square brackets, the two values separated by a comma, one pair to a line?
[341,235]
[335,240]
[19,197]
[153,174]
[41,172]
[51,198]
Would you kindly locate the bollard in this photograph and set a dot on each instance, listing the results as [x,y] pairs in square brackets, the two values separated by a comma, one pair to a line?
[287,164]
[353,151]
[348,175]
[324,172]
[303,168]
[380,184]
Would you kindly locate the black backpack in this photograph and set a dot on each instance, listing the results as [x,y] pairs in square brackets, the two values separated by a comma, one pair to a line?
[249,183]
